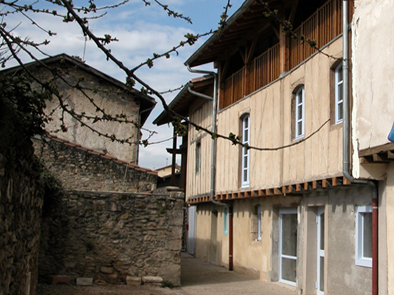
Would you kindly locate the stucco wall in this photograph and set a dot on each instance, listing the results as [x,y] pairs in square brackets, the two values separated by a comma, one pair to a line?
[105,96]
[342,275]
[373,72]
[109,236]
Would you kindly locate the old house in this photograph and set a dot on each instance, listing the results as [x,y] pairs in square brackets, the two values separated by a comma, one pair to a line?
[291,204]
[86,90]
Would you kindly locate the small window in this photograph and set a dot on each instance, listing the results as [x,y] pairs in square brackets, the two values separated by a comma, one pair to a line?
[245,151]
[255,224]
[299,115]
[225,220]
[198,157]
[364,236]
[259,213]
[338,94]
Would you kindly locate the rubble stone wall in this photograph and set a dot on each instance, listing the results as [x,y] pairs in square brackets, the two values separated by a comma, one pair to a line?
[109,236]
[21,200]
[80,168]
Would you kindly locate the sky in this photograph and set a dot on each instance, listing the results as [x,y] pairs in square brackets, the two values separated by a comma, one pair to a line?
[141,31]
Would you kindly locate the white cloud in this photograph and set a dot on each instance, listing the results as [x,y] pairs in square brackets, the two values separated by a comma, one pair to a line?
[141,31]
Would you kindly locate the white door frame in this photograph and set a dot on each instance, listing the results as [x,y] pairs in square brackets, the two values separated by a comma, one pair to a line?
[283,212]
[320,250]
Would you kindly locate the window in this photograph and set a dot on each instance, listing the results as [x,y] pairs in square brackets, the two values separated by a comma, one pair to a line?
[245,151]
[364,236]
[225,220]
[259,213]
[299,112]
[198,157]
[338,94]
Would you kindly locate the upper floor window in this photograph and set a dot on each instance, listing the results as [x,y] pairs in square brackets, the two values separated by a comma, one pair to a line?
[198,156]
[245,151]
[338,94]
[299,112]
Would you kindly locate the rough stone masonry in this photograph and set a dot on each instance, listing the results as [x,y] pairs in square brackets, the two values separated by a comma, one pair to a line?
[112,236]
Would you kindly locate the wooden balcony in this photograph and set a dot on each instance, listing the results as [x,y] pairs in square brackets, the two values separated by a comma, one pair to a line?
[322,26]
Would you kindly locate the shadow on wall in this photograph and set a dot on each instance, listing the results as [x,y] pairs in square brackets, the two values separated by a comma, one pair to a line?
[110,236]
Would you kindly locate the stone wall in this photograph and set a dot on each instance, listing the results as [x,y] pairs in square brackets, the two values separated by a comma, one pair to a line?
[109,236]
[80,168]
[20,215]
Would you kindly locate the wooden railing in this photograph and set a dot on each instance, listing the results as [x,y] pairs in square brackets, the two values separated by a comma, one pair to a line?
[261,71]
[323,26]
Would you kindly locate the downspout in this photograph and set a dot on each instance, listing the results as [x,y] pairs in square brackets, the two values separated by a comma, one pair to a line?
[346,147]
[213,155]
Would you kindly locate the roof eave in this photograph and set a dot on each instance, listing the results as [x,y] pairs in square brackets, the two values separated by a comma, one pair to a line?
[191,61]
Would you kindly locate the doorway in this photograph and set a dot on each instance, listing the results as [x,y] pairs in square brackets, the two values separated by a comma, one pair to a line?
[320,250]
[288,246]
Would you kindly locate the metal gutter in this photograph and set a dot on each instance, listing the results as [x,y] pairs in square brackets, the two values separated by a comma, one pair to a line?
[213,155]
[346,147]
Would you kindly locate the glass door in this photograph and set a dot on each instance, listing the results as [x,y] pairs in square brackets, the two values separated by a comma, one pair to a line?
[288,246]
[320,250]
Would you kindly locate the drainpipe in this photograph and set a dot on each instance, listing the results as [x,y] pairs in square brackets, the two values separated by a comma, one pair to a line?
[213,154]
[346,148]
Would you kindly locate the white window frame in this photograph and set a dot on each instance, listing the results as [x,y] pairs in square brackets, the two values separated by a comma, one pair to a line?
[225,220]
[300,96]
[198,156]
[259,215]
[360,259]
[338,95]
[245,151]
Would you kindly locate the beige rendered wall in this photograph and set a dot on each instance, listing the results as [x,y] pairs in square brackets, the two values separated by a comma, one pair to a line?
[271,126]
[108,98]
[250,256]
[373,73]
[199,183]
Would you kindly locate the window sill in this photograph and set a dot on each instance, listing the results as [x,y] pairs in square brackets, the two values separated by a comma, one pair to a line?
[364,262]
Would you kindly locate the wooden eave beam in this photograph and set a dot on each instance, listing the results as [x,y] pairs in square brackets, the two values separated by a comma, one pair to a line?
[294,6]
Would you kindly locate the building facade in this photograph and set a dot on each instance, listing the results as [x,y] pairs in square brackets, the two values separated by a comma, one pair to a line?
[85,90]
[280,205]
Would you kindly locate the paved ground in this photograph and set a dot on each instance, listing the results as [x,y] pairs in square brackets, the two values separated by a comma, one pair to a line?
[202,278]
[198,278]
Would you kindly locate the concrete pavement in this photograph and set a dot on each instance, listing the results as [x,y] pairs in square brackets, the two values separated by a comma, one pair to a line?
[202,278]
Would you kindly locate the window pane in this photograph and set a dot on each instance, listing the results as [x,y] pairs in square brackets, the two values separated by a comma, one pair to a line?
[245,162]
[245,175]
[289,269]
[339,74]
[299,115]
[340,93]
[299,128]
[246,136]
[340,111]
[322,231]
[321,274]
[367,243]
[289,234]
